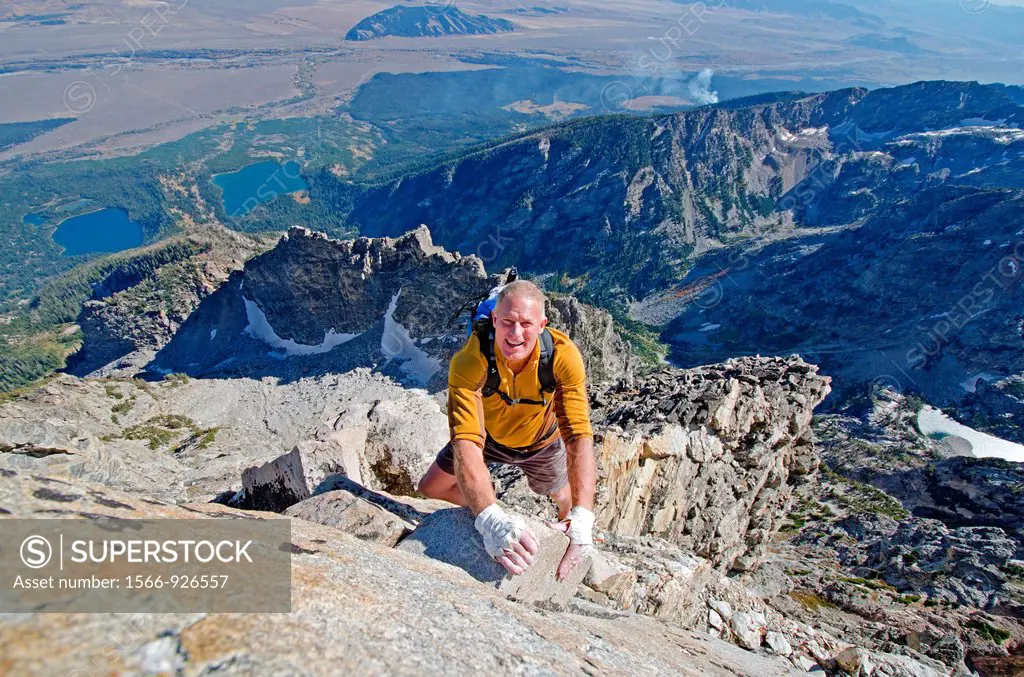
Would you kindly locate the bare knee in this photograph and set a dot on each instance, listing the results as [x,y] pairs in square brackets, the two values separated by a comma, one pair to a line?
[424,486]
[435,483]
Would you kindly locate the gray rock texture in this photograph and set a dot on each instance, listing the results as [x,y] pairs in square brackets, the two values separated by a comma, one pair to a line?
[356,607]
[449,536]
[314,304]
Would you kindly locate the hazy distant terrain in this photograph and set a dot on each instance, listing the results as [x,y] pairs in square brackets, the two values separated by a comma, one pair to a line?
[135,73]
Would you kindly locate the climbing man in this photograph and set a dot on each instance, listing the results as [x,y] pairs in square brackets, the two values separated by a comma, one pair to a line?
[517,395]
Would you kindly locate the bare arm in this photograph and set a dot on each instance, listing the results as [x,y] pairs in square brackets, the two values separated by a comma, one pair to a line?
[472,475]
[582,471]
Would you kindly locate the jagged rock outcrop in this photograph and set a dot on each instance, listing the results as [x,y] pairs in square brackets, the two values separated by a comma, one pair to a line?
[606,356]
[356,607]
[383,298]
[315,304]
[706,457]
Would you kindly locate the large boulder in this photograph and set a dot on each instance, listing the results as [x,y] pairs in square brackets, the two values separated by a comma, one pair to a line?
[349,513]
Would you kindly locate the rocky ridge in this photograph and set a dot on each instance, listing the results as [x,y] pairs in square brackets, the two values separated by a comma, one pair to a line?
[313,304]
[764,402]
[706,457]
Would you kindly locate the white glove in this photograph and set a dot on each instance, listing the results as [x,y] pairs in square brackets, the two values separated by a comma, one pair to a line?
[499,529]
[581,526]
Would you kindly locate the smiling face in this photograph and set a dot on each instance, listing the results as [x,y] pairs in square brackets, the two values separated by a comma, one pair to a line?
[518,321]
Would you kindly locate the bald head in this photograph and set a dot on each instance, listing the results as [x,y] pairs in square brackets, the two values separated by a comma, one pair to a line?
[523,289]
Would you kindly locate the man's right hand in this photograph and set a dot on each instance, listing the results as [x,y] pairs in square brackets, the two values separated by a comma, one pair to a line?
[506,538]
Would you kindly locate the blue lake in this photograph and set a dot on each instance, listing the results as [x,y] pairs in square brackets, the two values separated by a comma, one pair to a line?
[105,230]
[257,183]
[33,220]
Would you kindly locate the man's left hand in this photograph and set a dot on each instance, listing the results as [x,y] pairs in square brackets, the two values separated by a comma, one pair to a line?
[576,553]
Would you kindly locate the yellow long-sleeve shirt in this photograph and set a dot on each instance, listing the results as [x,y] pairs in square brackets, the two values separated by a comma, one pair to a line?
[521,426]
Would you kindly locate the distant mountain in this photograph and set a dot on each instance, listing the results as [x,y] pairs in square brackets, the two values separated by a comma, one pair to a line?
[415,21]
[628,202]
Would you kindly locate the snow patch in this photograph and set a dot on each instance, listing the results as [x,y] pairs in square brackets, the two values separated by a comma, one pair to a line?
[259,327]
[1000,135]
[397,344]
[850,132]
[545,148]
[933,422]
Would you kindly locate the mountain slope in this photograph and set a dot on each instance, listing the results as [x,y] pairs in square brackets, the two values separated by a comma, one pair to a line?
[627,201]
[634,211]
[925,294]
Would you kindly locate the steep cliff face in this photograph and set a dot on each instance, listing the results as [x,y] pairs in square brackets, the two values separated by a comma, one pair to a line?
[707,457]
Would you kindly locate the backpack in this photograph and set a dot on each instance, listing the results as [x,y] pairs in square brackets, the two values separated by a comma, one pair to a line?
[482,326]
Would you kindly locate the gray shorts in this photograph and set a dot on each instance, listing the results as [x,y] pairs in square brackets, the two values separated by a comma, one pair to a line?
[545,469]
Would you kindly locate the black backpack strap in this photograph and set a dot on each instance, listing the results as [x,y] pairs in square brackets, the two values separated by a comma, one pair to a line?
[546,370]
[484,331]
